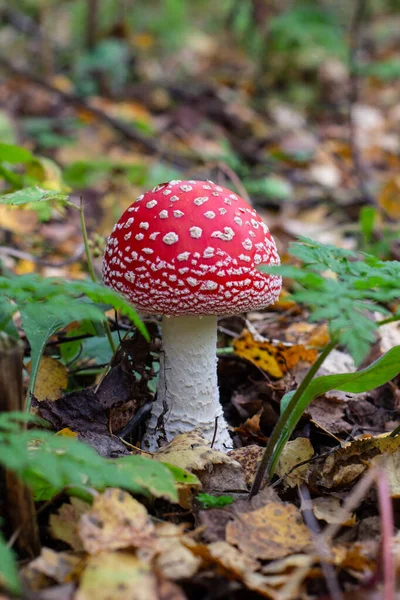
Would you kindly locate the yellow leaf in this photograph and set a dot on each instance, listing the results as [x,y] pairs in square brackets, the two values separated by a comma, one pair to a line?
[295,452]
[116,520]
[51,380]
[274,357]
[273,531]
[67,432]
[24,267]
[389,197]
[64,524]
[117,576]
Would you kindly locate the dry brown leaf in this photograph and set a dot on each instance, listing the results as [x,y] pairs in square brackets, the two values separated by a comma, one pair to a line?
[65,523]
[217,471]
[342,468]
[60,566]
[174,560]
[294,453]
[328,412]
[273,531]
[249,457]
[328,509]
[274,357]
[234,562]
[51,380]
[117,576]
[116,520]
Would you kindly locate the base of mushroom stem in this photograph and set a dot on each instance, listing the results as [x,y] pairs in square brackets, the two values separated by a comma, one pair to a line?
[217,432]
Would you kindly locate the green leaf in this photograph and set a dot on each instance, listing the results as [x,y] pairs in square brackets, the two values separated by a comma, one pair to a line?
[32,194]
[48,463]
[182,476]
[209,501]
[8,568]
[14,154]
[378,373]
[135,471]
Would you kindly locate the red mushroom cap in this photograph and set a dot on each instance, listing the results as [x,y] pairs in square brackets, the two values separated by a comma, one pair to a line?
[191,248]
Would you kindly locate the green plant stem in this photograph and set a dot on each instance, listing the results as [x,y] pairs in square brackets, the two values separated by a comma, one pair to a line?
[266,461]
[388,320]
[92,271]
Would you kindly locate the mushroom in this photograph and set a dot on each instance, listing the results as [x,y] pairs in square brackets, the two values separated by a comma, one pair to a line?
[189,250]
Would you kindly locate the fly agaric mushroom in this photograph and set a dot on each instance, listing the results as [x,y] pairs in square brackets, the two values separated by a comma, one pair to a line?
[189,250]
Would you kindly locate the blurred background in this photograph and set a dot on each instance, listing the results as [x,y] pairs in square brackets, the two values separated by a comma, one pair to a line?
[294,104]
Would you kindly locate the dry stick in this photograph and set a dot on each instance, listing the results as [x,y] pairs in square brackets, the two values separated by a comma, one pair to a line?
[306,507]
[355,42]
[386,510]
[16,500]
[124,129]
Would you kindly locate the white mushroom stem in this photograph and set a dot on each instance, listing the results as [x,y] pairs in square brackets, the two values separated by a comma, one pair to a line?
[188,395]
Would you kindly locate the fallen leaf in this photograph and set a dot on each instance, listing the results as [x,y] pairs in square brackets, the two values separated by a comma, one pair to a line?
[117,576]
[52,379]
[216,471]
[274,357]
[64,524]
[389,197]
[174,560]
[273,531]
[60,566]
[249,457]
[116,520]
[295,452]
[231,560]
[344,466]
[328,509]
[308,334]
[328,412]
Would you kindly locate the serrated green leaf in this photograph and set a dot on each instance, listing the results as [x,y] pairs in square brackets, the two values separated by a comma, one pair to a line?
[32,195]
[378,373]
[343,288]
